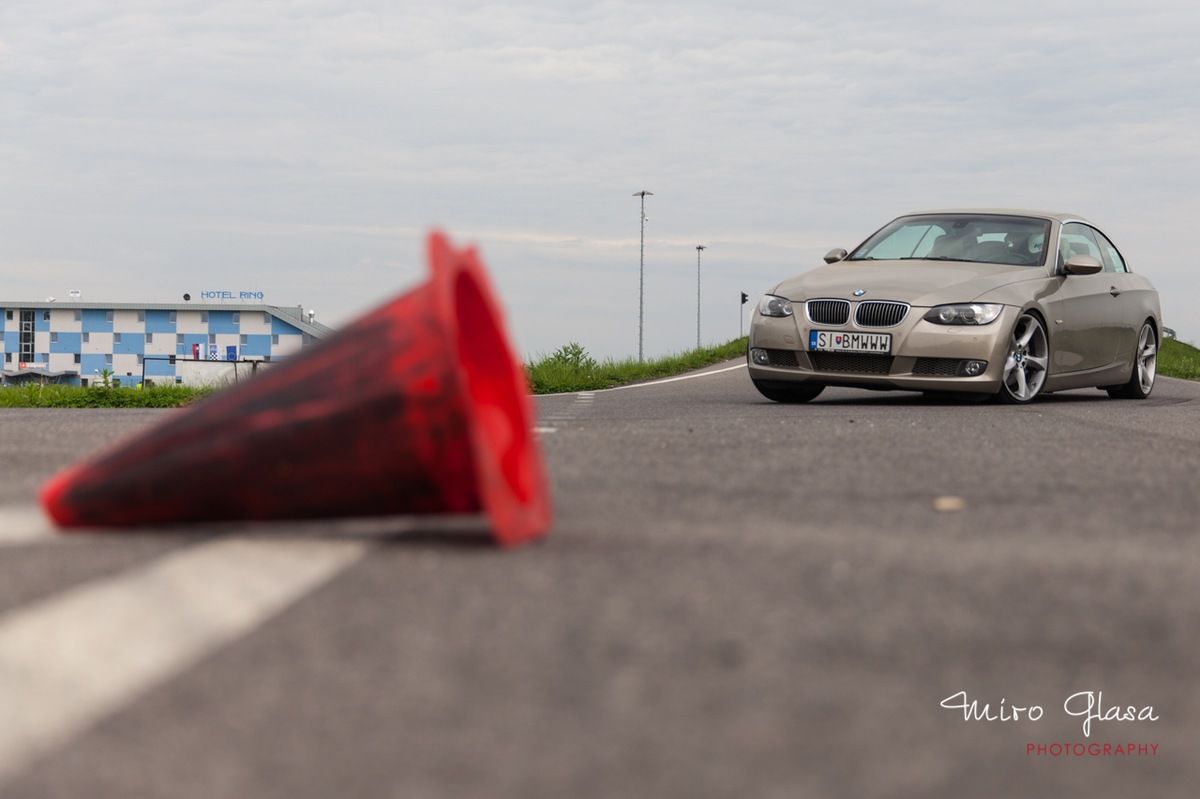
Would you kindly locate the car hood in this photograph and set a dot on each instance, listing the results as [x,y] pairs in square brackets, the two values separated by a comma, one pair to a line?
[921,283]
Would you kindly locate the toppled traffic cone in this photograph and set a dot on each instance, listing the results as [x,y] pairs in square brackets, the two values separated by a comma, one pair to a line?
[419,407]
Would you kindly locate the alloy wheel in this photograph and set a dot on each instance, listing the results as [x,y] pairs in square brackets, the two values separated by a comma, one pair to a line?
[1147,358]
[1028,360]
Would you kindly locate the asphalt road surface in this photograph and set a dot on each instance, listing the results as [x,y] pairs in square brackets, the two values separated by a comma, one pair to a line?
[738,599]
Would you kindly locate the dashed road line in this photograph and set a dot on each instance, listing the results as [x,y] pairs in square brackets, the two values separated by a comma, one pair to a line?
[582,404]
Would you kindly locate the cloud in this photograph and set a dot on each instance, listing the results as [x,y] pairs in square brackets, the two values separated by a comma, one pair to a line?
[306,145]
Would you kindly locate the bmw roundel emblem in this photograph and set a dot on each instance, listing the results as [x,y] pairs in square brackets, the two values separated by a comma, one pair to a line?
[859,292]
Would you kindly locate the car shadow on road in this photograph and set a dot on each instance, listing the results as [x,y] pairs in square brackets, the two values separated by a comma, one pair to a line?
[909,399]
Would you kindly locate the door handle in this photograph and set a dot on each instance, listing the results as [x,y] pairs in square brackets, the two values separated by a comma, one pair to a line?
[1113,290]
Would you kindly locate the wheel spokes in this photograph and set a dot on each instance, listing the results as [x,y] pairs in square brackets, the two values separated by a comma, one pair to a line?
[1030,328]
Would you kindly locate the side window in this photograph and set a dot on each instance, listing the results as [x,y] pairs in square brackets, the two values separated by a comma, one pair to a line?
[1113,262]
[1077,239]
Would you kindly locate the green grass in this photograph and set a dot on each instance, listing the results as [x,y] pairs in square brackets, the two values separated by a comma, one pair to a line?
[55,396]
[572,369]
[1176,359]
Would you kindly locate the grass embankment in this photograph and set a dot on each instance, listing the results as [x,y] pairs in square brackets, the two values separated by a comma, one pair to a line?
[572,369]
[54,396]
[1176,359]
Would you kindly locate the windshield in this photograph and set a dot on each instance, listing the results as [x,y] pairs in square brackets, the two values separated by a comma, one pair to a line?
[983,238]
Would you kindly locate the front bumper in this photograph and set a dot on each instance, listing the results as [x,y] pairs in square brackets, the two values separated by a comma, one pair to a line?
[916,345]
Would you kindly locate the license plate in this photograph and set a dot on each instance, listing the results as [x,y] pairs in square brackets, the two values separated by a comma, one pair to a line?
[832,341]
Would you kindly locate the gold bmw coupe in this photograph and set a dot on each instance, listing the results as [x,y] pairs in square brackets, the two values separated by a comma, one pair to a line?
[1002,302]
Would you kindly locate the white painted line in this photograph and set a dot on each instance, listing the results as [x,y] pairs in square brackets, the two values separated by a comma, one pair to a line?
[676,379]
[644,385]
[545,429]
[24,524]
[70,660]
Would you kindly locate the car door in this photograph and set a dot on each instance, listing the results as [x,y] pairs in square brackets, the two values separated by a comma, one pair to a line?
[1130,307]
[1083,312]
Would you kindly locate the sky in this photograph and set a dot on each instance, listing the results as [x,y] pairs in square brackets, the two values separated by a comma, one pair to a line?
[304,148]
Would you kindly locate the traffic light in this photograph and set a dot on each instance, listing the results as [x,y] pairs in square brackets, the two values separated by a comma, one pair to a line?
[745,297]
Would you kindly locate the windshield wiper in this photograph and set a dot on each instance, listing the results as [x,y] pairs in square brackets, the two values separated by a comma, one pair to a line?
[942,258]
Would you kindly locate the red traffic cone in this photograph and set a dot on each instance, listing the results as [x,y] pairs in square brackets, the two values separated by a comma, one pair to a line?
[416,408]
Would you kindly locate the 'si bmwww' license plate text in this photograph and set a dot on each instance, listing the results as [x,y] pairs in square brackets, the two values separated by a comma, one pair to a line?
[830,341]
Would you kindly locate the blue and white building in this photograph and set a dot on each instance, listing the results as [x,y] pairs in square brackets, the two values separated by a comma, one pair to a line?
[80,343]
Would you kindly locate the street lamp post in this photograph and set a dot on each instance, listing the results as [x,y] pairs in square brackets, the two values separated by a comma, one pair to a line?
[642,271]
[699,248]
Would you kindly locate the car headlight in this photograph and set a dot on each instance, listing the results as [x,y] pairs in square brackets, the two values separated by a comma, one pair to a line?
[972,313]
[770,305]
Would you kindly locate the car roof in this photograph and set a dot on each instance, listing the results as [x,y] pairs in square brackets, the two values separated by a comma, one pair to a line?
[1058,216]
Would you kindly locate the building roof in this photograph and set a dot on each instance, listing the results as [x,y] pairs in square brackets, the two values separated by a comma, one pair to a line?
[292,314]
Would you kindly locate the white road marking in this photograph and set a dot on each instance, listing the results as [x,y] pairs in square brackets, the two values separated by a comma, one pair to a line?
[23,524]
[72,659]
[676,379]
[644,385]
[545,429]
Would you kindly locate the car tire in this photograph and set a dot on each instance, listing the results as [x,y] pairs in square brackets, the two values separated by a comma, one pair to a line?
[1145,368]
[800,392]
[1028,362]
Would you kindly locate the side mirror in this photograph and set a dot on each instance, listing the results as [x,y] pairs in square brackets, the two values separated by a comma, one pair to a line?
[835,255]
[1082,265]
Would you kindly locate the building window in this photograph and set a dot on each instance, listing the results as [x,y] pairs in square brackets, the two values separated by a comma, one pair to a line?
[178,338]
[116,338]
[141,316]
[171,317]
[78,314]
[140,357]
[244,339]
[108,316]
[212,338]
[237,318]
[87,337]
[266,318]
[204,317]
[149,338]
[8,315]
[45,316]
[108,360]
[274,338]
[53,337]
[8,357]
[78,357]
